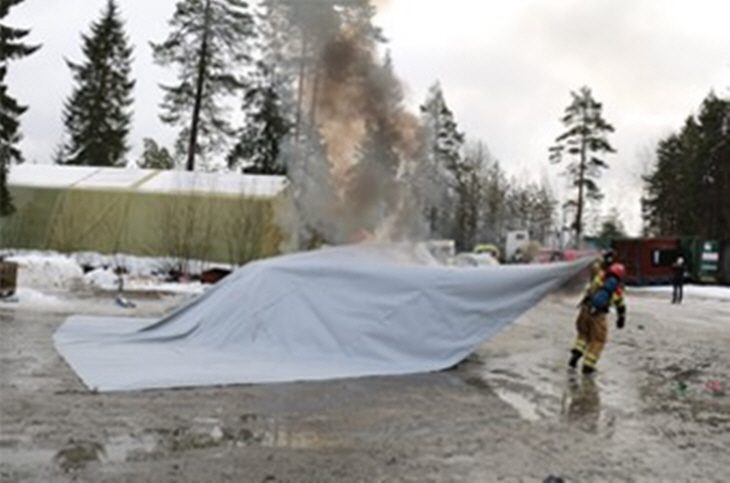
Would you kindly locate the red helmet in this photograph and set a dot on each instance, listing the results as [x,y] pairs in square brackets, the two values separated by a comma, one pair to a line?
[617,269]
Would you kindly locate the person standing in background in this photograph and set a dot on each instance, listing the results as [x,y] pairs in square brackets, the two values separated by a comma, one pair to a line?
[678,270]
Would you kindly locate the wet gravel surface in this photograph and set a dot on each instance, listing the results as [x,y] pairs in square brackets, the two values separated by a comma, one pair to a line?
[658,410]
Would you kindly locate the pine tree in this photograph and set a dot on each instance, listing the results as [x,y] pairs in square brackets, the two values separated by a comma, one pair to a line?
[97,115]
[584,139]
[531,207]
[443,155]
[494,210]
[471,195]
[11,48]
[712,154]
[686,194]
[209,45]
[520,205]
[259,141]
[612,227]
[155,157]
[667,201]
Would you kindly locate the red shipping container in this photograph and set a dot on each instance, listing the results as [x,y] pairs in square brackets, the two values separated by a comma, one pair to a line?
[648,261]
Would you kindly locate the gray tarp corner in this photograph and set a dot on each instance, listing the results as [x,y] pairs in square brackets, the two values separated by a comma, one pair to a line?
[336,312]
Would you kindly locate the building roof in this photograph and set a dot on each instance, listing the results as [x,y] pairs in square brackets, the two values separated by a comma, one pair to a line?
[145,180]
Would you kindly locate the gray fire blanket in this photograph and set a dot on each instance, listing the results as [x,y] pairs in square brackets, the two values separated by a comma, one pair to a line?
[332,313]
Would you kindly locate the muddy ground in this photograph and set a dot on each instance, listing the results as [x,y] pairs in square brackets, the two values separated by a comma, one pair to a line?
[655,412]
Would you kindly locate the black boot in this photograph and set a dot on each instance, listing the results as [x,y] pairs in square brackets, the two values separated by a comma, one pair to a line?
[588,371]
[575,356]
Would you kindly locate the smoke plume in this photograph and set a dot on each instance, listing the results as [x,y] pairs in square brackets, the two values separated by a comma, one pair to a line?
[351,100]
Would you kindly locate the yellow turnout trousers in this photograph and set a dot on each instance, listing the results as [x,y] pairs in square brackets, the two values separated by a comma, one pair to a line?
[592,335]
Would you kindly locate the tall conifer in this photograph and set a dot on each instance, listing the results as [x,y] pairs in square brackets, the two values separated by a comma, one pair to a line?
[687,192]
[11,47]
[97,115]
[209,45]
[583,141]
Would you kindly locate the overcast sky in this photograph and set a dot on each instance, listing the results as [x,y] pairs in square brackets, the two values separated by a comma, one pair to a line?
[506,68]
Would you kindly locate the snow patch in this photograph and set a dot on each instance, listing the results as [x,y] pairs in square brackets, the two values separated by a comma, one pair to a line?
[30,298]
[48,272]
[102,278]
[690,291]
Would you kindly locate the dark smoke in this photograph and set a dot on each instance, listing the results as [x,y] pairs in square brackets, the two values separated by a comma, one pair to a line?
[355,102]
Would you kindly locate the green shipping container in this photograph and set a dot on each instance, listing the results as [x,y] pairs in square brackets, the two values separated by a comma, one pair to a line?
[709,261]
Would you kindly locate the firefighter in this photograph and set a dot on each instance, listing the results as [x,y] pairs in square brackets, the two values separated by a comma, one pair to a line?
[597,270]
[604,290]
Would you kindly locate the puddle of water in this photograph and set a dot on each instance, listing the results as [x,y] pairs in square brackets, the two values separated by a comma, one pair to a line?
[269,432]
[527,409]
[117,449]
[78,454]
[26,457]
[538,386]
[126,447]
[526,383]
[283,438]
[203,433]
